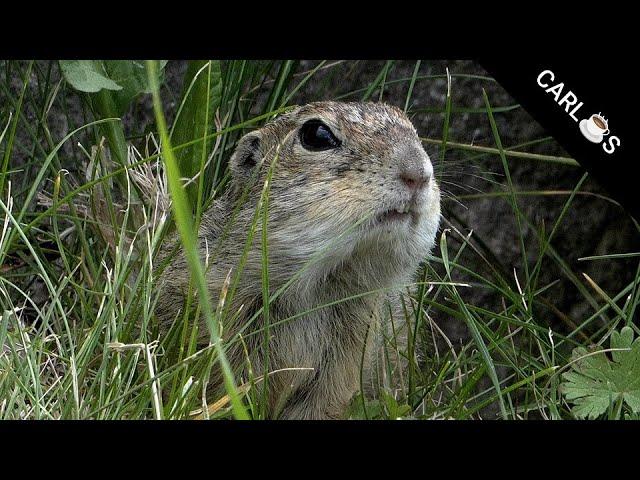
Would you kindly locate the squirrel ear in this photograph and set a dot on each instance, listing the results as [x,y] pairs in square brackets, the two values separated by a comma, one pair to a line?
[246,156]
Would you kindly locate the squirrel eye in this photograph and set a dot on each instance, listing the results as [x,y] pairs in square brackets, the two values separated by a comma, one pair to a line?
[316,136]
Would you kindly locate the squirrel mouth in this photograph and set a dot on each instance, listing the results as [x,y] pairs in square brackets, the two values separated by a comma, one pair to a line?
[395,215]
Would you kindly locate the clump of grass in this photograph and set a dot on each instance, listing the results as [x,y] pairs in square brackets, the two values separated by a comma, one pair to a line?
[78,246]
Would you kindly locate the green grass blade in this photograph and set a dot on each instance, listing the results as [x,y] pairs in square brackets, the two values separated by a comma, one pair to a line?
[184,222]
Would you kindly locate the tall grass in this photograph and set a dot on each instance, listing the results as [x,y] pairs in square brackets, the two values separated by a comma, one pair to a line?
[80,231]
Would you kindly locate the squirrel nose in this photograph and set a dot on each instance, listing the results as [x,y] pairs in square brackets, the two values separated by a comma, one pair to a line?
[414,168]
[417,175]
[416,179]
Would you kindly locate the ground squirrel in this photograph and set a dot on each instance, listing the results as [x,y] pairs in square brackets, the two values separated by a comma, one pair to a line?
[353,203]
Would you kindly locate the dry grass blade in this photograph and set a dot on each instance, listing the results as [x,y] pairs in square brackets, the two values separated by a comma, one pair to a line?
[242,389]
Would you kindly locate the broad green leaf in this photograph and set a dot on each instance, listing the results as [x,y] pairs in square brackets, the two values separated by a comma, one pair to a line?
[125,79]
[111,86]
[595,383]
[394,409]
[132,76]
[374,409]
[87,76]
[201,95]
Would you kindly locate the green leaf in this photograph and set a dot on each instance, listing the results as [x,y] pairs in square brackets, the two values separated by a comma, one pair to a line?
[111,86]
[202,91]
[132,76]
[125,79]
[87,76]
[596,383]
[374,409]
[394,409]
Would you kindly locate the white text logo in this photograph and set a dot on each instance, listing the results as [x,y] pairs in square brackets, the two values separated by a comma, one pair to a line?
[594,128]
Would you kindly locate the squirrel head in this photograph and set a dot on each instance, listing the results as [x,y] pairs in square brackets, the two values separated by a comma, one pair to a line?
[350,178]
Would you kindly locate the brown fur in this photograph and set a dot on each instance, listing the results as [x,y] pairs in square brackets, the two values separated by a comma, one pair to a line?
[315,198]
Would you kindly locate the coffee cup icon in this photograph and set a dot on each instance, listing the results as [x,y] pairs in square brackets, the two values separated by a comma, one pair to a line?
[598,125]
[595,127]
